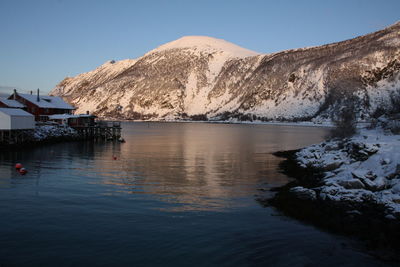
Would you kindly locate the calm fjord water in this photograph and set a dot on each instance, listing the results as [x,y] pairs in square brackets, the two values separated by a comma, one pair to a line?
[179,194]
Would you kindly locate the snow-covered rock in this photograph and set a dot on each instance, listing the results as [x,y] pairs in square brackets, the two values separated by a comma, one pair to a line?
[351,183]
[208,76]
[372,178]
[47,132]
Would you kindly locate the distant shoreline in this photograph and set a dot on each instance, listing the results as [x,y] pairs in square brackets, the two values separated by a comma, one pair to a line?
[303,124]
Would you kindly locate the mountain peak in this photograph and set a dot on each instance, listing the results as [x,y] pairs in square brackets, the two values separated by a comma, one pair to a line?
[206,43]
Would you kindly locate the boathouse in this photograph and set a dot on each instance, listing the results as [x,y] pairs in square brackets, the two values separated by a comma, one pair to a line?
[42,106]
[81,120]
[16,119]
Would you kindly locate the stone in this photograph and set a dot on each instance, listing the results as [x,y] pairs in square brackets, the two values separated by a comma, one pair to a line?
[390,217]
[332,166]
[371,149]
[359,174]
[396,189]
[354,212]
[303,193]
[351,184]
[370,175]
[331,147]
[360,151]
[368,183]
[380,183]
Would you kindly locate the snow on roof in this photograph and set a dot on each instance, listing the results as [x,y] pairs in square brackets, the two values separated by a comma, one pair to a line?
[68,116]
[15,112]
[47,101]
[60,116]
[11,103]
[206,43]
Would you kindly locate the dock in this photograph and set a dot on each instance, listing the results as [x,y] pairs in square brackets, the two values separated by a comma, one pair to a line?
[101,130]
[12,137]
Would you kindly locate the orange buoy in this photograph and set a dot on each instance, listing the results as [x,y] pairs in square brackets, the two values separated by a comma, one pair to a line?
[18,166]
[23,171]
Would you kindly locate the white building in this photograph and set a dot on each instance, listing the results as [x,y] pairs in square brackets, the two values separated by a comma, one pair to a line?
[16,119]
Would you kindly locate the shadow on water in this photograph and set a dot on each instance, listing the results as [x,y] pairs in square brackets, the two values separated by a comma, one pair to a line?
[379,236]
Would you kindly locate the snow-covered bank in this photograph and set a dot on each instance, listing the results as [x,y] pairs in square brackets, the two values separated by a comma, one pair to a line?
[348,187]
[364,169]
[43,133]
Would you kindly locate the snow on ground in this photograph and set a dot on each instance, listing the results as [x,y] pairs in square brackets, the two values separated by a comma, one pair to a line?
[364,168]
[45,132]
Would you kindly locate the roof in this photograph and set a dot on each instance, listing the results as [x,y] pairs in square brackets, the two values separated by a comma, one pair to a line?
[47,101]
[15,112]
[69,116]
[11,103]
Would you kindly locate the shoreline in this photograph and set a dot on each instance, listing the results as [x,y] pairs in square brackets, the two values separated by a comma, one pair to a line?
[277,123]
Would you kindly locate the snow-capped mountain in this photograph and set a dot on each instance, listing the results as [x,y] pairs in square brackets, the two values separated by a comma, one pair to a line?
[198,75]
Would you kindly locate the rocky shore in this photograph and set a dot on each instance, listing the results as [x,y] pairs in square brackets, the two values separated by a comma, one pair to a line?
[53,132]
[42,134]
[349,186]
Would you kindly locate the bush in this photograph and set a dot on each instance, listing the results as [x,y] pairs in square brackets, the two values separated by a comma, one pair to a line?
[199,117]
[394,126]
[345,123]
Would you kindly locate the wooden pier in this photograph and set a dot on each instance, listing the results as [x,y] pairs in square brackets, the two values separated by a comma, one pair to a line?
[11,137]
[102,130]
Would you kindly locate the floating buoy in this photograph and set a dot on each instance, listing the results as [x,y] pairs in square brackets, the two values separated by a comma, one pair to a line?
[114,157]
[18,166]
[23,171]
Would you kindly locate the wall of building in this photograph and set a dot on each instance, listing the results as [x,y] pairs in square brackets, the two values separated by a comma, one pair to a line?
[5,121]
[20,122]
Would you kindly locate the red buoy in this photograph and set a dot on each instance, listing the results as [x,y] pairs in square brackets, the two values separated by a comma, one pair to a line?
[114,157]
[23,171]
[18,166]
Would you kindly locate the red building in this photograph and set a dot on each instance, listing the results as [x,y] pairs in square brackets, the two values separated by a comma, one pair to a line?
[42,106]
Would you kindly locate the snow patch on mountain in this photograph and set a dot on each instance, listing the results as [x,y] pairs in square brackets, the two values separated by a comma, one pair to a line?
[206,44]
[93,78]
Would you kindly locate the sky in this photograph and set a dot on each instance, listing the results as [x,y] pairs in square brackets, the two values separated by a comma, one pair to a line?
[44,41]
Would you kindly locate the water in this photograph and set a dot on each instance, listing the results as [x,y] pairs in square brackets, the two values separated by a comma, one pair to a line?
[178,194]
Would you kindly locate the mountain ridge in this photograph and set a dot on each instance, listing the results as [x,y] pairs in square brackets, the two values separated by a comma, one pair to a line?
[203,76]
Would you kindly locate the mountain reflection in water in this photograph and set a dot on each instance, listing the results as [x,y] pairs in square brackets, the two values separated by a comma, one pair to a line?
[190,165]
[197,166]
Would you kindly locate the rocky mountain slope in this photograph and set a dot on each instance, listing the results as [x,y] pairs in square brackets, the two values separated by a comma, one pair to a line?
[201,76]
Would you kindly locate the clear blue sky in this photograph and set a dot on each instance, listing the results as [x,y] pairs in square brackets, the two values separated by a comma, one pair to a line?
[41,42]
